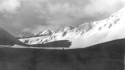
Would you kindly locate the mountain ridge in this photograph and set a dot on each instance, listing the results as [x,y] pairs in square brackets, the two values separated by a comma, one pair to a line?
[99,29]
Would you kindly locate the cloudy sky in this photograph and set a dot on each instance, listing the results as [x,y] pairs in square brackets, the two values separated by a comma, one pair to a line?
[31,16]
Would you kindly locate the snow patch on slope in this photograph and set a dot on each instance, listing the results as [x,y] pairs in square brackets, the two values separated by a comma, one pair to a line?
[105,30]
[87,34]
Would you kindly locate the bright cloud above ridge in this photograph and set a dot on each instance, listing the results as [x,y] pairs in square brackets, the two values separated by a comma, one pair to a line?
[38,15]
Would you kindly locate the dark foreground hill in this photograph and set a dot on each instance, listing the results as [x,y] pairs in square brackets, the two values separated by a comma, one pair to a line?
[106,56]
[7,39]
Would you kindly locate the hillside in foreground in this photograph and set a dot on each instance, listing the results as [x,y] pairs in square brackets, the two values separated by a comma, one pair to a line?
[105,56]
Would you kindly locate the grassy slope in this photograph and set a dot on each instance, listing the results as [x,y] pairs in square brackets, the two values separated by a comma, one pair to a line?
[106,56]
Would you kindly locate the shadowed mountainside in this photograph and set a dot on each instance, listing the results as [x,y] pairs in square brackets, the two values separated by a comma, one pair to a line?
[61,43]
[7,39]
[105,56]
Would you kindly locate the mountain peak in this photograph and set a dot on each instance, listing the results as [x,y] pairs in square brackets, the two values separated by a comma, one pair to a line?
[44,33]
[67,28]
[95,32]
[84,27]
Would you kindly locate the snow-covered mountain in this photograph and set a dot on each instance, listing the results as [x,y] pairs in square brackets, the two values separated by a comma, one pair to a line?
[109,29]
[44,33]
[86,34]
[66,33]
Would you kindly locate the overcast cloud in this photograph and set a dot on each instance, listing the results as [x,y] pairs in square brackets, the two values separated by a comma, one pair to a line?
[30,16]
[9,5]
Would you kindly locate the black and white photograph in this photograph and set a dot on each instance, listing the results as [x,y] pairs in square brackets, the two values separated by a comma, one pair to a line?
[62,34]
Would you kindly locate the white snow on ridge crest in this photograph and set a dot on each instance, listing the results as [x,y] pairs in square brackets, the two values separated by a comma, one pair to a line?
[108,29]
[88,34]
